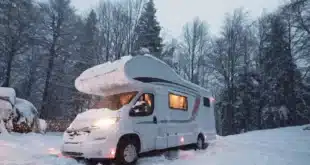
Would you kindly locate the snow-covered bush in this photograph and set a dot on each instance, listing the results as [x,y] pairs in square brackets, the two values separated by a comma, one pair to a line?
[7,110]
[26,110]
[28,120]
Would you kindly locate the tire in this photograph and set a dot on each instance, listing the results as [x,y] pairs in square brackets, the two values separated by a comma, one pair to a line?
[201,144]
[127,152]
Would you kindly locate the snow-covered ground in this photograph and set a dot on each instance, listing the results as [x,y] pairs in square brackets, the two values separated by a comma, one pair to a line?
[285,146]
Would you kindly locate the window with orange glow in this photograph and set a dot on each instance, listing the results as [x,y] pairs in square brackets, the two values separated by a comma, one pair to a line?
[177,102]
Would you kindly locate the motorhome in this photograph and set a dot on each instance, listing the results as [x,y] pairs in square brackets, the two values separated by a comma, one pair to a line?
[138,104]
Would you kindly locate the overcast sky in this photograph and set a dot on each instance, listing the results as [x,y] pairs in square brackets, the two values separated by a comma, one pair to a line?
[173,14]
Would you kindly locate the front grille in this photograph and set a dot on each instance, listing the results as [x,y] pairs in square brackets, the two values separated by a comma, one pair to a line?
[72,142]
[85,129]
[73,154]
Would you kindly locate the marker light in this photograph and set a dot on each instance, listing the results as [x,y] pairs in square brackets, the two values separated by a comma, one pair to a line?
[104,123]
[182,140]
[112,153]
[212,99]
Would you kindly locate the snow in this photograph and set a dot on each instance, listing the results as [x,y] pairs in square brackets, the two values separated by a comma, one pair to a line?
[285,146]
[3,128]
[7,96]
[5,109]
[27,109]
[42,125]
[282,111]
[104,68]
[8,93]
[103,77]
[255,82]
[87,118]
[144,50]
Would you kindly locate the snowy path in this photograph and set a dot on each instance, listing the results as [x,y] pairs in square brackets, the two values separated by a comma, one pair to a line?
[286,146]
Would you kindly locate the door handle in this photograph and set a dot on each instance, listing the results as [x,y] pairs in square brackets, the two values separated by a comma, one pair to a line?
[155,119]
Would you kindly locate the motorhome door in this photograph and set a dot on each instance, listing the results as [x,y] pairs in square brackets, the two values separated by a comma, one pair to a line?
[145,120]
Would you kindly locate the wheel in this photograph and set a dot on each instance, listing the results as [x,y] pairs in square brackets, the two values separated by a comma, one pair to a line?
[201,145]
[127,153]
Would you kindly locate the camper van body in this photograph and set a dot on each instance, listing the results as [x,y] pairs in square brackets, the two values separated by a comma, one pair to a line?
[179,112]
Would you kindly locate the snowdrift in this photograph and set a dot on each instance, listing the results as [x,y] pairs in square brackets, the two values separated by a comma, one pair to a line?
[284,146]
[133,71]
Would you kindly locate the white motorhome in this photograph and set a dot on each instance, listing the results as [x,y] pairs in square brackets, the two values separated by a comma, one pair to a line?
[138,104]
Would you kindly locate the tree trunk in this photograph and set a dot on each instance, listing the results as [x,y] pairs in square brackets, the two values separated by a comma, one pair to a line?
[44,112]
[9,68]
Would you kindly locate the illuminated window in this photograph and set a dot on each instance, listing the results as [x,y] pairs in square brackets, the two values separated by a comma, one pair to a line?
[177,102]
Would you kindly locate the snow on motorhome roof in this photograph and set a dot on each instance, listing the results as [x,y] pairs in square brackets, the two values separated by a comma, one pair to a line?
[103,77]
[104,68]
[125,71]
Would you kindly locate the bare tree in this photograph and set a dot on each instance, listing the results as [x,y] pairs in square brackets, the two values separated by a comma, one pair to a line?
[195,46]
[230,54]
[117,21]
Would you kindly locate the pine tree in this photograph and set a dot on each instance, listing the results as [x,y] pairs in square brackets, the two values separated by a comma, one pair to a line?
[90,42]
[89,55]
[148,31]
[280,70]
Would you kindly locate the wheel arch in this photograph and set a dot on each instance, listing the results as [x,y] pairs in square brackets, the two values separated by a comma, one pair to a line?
[131,137]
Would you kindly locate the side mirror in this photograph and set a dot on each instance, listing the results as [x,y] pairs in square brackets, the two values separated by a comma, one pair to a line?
[132,111]
[136,111]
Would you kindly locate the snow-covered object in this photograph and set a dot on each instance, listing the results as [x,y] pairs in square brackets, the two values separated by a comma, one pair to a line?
[144,51]
[6,109]
[3,129]
[103,77]
[27,110]
[8,93]
[133,71]
[42,126]
[284,112]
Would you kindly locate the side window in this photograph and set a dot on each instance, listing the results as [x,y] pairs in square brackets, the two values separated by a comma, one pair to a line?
[144,105]
[206,102]
[178,102]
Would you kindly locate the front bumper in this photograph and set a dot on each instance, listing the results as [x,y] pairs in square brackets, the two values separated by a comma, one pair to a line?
[90,147]
[88,150]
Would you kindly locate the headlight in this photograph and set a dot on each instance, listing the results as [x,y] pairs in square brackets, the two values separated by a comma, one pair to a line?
[104,123]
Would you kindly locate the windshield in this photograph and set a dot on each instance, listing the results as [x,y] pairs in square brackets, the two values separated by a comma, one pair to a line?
[113,102]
